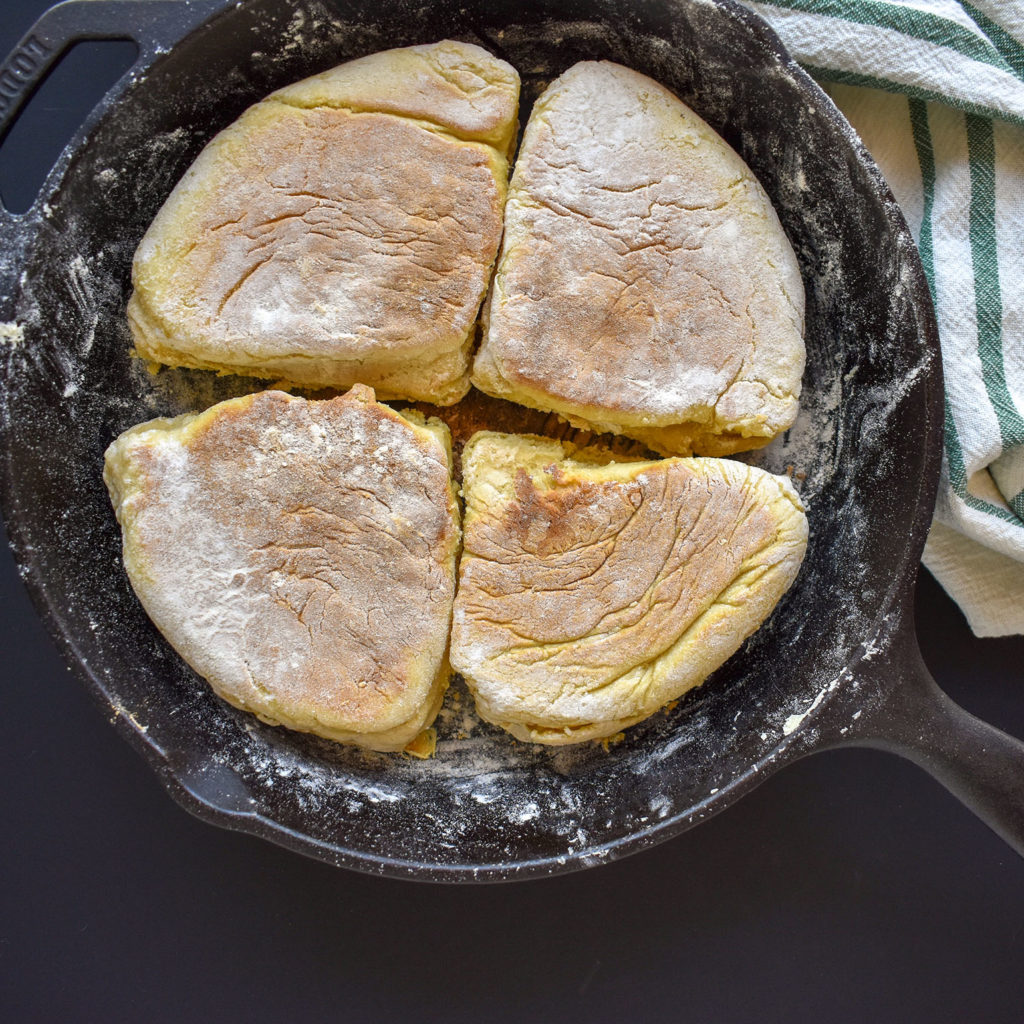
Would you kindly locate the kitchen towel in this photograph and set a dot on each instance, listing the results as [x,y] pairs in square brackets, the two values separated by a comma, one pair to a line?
[935,88]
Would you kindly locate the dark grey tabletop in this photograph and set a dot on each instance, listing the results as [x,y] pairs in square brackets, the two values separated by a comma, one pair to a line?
[850,887]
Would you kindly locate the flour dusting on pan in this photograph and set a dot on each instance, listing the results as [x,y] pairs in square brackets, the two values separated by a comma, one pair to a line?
[485,805]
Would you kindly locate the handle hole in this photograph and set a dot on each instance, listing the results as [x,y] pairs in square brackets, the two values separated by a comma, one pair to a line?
[78,81]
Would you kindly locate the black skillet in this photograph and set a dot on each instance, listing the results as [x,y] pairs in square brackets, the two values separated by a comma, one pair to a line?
[837,663]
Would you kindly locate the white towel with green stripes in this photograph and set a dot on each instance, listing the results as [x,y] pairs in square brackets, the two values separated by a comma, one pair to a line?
[935,88]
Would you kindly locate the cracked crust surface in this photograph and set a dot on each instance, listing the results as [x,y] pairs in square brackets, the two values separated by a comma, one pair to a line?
[590,596]
[299,555]
[342,230]
[645,285]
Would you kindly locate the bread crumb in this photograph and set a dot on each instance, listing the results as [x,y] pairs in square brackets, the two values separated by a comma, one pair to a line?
[609,741]
[424,746]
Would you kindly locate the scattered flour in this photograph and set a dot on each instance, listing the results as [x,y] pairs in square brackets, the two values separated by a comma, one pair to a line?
[482,791]
[12,334]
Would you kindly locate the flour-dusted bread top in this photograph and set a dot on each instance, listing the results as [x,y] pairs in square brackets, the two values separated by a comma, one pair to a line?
[300,556]
[592,595]
[458,87]
[342,230]
[645,284]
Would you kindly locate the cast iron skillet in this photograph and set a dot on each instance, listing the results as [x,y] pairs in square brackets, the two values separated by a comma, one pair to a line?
[836,664]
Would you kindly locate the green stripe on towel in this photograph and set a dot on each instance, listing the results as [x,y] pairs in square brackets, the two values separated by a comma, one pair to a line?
[1017,504]
[987,294]
[912,91]
[1012,51]
[926,247]
[930,28]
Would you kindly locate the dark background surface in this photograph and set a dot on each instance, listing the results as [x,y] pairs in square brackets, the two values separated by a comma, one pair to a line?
[848,888]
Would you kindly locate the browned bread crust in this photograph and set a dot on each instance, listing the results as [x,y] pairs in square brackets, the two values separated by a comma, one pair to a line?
[592,595]
[299,555]
[342,230]
[645,285]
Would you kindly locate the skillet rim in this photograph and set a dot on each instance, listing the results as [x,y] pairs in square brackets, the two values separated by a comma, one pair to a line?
[823,716]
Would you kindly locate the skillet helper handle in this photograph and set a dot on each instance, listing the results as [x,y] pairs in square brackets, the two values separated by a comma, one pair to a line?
[154,25]
[979,764]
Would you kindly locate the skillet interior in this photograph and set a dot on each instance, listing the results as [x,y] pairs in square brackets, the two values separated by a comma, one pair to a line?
[486,806]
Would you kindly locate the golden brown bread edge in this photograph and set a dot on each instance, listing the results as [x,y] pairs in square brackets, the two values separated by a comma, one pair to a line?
[645,284]
[590,596]
[343,230]
[300,556]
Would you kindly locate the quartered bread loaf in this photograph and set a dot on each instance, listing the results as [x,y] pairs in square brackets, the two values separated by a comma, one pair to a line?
[645,284]
[591,595]
[300,556]
[342,230]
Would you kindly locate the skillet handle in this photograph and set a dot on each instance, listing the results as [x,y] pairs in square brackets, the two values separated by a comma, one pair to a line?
[979,764]
[154,25]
